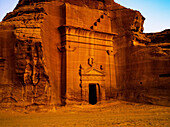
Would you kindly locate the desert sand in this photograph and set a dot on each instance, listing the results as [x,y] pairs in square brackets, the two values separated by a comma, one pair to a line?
[106,114]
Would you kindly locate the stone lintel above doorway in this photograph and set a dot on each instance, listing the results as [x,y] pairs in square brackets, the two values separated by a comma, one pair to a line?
[92,74]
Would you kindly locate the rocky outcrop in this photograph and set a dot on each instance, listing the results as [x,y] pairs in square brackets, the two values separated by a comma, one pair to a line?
[30,83]
[30,66]
[145,69]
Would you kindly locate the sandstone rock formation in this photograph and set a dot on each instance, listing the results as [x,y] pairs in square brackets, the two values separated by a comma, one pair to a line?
[39,64]
[146,68]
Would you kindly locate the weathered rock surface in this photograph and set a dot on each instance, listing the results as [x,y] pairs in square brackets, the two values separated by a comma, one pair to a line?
[32,70]
[144,68]
[29,81]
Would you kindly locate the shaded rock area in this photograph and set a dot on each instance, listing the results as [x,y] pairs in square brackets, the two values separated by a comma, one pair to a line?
[33,63]
[146,69]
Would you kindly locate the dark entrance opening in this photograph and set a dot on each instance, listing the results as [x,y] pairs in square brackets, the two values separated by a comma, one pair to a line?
[92,94]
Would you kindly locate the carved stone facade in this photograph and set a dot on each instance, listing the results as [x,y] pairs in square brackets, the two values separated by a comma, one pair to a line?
[88,56]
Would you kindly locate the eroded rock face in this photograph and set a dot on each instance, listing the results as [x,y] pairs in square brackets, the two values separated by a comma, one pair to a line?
[145,72]
[30,82]
[32,69]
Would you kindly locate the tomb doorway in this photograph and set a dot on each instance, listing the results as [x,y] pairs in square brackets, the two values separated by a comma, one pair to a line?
[92,94]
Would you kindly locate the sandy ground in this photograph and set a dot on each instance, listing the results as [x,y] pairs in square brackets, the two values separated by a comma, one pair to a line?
[109,114]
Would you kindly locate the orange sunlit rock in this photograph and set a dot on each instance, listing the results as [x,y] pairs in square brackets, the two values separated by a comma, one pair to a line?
[58,52]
